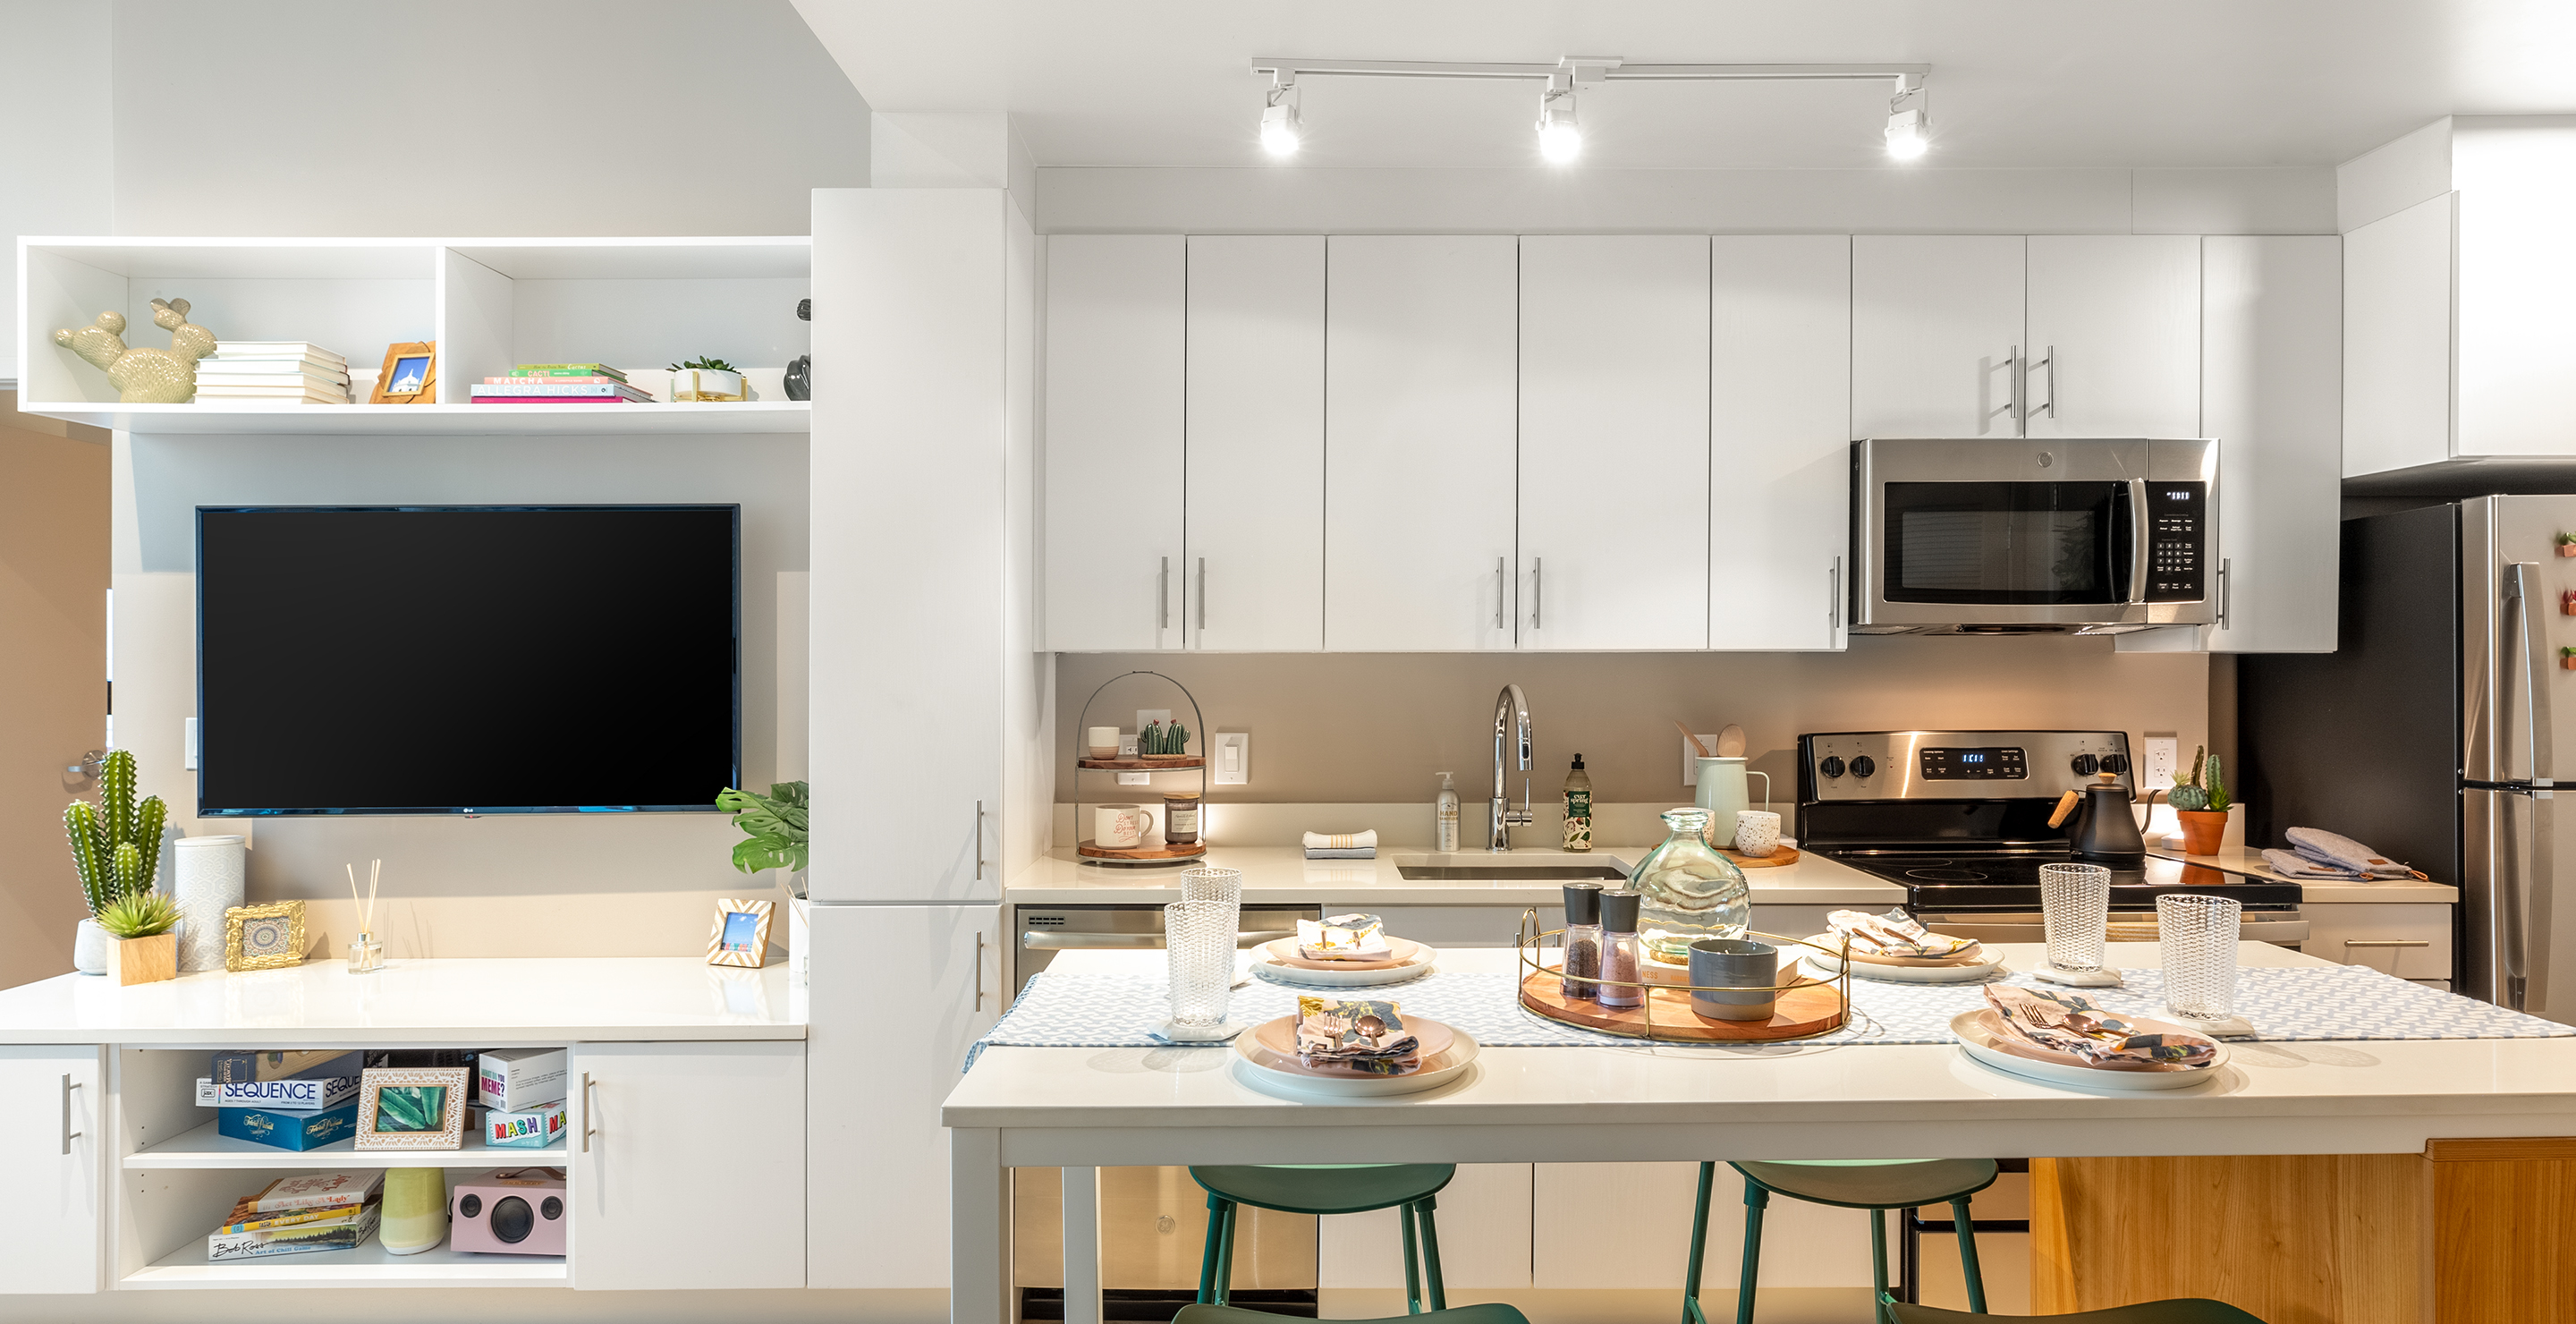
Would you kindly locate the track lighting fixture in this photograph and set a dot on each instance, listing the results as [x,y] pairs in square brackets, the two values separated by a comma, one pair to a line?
[1280,126]
[1560,139]
[1909,133]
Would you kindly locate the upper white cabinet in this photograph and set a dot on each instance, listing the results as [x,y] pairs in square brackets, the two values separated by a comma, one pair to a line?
[1116,314]
[2397,340]
[2271,383]
[52,1129]
[1253,514]
[1935,334]
[1614,444]
[2113,339]
[1420,352]
[642,1169]
[1780,462]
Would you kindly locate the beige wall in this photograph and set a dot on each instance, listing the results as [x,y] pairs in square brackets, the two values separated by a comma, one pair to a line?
[1354,728]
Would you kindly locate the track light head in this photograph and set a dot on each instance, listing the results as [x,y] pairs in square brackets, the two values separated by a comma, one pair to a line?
[1907,137]
[1281,127]
[1560,139]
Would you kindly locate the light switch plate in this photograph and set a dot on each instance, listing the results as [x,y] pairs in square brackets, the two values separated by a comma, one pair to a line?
[1690,760]
[1135,779]
[2163,761]
[189,763]
[1230,760]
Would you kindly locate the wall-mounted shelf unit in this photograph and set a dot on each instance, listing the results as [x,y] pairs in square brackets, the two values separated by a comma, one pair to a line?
[639,304]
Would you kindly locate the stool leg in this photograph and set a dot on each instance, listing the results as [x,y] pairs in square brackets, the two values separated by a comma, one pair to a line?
[1217,1205]
[1878,1265]
[1412,1268]
[1691,1313]
[1975,1274]
[1225,1255]
[1431,1251]
[1755,1201]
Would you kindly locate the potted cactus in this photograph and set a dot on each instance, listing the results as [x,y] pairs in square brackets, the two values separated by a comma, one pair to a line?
[1158,743]
[141,948]
[2567,544]
[2201,803]
[116,847]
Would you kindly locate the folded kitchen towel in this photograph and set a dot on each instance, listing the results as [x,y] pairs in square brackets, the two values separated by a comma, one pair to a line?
[1342,840]
[2343,852]
[2290,864]
[1355,853]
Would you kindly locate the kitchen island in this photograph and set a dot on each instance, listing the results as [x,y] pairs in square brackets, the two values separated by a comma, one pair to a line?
[1082,1108]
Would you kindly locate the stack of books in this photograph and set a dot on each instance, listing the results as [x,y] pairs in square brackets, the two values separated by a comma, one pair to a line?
[299,1215]
[560,384]
[286,371]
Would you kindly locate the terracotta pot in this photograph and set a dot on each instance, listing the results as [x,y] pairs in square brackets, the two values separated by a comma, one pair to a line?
[143,960]
[2202,830]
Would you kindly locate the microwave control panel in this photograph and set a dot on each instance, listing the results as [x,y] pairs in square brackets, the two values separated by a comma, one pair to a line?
[2177,533]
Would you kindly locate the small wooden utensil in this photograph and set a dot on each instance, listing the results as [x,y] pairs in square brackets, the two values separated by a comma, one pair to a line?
[1695,740]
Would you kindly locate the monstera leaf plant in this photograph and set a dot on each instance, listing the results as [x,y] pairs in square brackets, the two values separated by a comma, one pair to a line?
[774,824]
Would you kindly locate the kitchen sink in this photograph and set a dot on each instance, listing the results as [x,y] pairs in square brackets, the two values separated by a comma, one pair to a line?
[1512,873]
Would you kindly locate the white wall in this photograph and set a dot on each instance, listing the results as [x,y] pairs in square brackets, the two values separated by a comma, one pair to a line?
[55,100]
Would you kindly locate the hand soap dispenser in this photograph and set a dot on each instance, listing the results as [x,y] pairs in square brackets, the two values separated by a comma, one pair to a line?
[1448,806]
[1578,807]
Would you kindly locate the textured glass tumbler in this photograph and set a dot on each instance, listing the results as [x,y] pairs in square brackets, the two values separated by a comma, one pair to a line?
[1198,946]
[2075,908]
[2196,936]
[1212,884]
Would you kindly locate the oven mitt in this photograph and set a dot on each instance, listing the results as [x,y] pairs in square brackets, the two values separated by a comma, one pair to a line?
[2290,864]
[2341,852]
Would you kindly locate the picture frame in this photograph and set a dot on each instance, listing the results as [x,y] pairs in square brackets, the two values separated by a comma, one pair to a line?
[264,937]
[410,375]
[411,1108]
[741,933]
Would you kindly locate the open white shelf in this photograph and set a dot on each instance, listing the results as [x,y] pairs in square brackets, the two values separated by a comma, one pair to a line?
[635,420]
[369,1265]
[203,1148]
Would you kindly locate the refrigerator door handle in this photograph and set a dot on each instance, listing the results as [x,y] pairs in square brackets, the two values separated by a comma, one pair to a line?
[2531,646]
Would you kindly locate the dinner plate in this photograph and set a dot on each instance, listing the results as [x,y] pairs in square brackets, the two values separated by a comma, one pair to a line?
[1274,1045]
[1254,1066]
[1980,1040]
[1417,962]
[1824,966]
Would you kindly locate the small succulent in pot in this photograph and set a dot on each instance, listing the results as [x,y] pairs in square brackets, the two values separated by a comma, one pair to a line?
[2201,804]
[707,379]
[144,950]
[142,916]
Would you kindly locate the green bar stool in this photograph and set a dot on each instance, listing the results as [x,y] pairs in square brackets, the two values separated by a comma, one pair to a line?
[1489,1313]
[2194,1310]
[1876,1185]
[1328,1188]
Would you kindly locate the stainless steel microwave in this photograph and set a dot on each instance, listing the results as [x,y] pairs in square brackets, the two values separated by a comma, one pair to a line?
[2033,535]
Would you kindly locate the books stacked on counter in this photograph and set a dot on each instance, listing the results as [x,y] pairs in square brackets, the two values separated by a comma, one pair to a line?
[283,371]
[560,384]
[314,1211]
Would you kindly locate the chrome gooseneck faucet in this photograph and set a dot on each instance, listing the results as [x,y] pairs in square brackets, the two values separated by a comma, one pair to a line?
[1512,724]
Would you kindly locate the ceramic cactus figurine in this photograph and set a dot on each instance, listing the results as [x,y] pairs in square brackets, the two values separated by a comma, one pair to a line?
[2216,788]
[145,376]
[109,839]
[1158,740]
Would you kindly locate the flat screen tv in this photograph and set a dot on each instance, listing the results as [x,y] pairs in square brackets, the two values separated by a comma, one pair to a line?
[467,659]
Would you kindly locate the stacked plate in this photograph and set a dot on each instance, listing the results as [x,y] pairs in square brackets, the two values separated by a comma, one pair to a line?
[1281,962]
[1266,1059]
[1983,1037]
[1967,967]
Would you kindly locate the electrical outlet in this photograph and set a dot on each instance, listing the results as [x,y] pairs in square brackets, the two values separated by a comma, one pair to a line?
[2163,762]
[1690,760]
[1135,779]
[1230,760]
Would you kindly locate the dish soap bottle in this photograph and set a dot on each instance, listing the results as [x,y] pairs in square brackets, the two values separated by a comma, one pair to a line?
[1448,808]
[1578,808]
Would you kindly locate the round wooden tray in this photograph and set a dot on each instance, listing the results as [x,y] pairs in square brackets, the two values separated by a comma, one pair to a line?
[1154,763]
[1095,850]
[1779,856]
[1814,1007]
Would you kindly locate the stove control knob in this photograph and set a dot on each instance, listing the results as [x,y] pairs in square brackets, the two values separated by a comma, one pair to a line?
[2086,765]
[2115,763]
[1831,767]
[1864,766]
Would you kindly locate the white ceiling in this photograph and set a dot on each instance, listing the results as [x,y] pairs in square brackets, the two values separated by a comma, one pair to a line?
[2015,83]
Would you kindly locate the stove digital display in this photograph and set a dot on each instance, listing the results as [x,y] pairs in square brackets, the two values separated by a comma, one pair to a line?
[2003,762]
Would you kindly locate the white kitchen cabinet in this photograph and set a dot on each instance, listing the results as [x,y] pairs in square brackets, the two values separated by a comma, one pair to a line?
[2397,339]
[877,1203]
[2272,393]
[52,1129]
[1420,394]
[662,1132]
[1936,327]
[2113,335]
[1116,311]
[1482,1219]
[1614,442]
[1803,1245]
[1254,506]
[2408,939]
[1780,427]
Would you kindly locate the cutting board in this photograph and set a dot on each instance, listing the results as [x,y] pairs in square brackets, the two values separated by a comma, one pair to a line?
[1778,858]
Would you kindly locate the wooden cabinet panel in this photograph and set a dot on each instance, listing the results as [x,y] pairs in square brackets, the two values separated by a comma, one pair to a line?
[2271,393]
[52,1131]
[1936,322]
[1614,441]
[2113,335]
[1420,356]
[644,1166]
[2504,1230]
[1115,314]
[1780,428]
[1254,512]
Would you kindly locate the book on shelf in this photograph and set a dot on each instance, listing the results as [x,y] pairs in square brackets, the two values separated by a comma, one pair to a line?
[304,1095]
[275,349]
[228,375]
[240,1064]
[619,390]
[563,400]
[552,381]
[567,370]
[288,1130]
[271,395]
[301,1239]
[315,1190]
[243,1218]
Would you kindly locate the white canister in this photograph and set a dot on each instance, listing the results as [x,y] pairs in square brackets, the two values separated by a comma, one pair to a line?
[208,881]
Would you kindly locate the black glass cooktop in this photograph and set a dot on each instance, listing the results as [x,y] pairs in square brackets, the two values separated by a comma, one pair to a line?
[1969,880]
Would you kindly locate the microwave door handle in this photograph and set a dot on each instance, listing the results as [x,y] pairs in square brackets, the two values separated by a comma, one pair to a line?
[2141,541]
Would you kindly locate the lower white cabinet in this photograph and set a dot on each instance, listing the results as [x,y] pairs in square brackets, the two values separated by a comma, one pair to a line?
[2411,940]
[1483,1221]
[51,1133]
[665,1133]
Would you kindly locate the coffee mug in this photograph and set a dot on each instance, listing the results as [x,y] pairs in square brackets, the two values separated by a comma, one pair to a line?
[1757,832]
[1731,978]
[1103,742]
[1121,825]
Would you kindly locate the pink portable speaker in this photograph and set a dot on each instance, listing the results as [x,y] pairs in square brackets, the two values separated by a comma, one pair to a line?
[510,1211]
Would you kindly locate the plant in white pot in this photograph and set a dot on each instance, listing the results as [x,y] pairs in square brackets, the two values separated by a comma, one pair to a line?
[116,847]
[707,380]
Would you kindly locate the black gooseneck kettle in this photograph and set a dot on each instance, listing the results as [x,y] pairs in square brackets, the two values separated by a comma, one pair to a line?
[2104,832]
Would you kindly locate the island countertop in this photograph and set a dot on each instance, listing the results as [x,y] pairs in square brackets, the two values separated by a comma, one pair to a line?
[1283,874]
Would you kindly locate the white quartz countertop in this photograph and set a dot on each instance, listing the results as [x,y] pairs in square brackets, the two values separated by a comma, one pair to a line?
[1277,874]
[1052,1106]
[483,1003]
[2323,891]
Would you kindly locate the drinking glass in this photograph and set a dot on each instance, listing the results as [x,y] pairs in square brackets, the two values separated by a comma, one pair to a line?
[2196,935]
[1208,883]
[1198,946]
[2075,908]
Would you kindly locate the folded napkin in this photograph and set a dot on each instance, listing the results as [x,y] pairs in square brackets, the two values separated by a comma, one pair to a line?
[1342,840]
[1353,853]
[1361,1034]
[1893,934]
[1352,937]
[2066,1022]
[2322,847]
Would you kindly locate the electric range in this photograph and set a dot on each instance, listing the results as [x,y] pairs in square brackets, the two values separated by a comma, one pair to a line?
[1959,819]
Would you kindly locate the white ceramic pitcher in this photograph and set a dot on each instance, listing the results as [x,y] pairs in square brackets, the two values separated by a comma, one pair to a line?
[1723,794]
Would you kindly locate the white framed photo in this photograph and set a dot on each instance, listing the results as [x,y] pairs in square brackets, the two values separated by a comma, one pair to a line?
[411,1108]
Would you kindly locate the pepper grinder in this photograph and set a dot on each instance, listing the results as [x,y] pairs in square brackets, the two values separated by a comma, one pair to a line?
[1622,979]
[1582,940]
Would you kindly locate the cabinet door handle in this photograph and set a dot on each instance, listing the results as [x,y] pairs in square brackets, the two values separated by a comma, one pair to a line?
[2049,363]
[1538,567]
[2385,942]
[1203,595]
[2012,388]
[1499,572]
[979,970]
[589,1110]
[2225,583]
[1834,595]
[1163,598]
[979,841]
[69,1135]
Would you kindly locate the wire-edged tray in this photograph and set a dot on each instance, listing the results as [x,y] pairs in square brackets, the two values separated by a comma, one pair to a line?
[1806,1006]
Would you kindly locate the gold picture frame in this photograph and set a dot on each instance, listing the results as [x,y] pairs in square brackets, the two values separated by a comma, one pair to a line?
[412,364]
[741,934]
[426,1109]
[264,937]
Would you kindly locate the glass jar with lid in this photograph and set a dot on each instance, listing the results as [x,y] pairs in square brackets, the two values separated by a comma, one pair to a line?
[1691,891]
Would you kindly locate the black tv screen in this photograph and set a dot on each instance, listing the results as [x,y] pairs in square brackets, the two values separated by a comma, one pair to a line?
[467,659]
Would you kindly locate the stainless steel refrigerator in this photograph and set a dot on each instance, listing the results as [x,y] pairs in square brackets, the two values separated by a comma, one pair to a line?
[2433,733]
